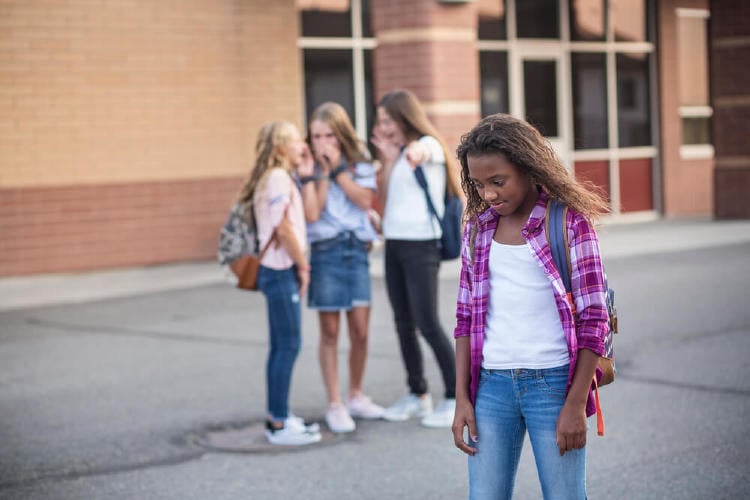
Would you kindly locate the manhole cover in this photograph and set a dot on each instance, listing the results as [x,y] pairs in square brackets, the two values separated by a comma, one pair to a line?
[251,438]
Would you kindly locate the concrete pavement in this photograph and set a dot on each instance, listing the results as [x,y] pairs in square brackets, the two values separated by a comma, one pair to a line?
[617,240]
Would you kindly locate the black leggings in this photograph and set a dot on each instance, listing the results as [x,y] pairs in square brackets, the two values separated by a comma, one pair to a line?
[411,275]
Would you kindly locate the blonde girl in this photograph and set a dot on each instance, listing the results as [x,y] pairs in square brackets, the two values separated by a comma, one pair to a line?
[284,274]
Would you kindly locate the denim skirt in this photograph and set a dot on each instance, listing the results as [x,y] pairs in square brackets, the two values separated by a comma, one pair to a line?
[340,275]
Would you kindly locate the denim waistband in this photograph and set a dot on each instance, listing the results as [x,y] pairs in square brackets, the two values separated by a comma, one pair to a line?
[343,236]
[517,372]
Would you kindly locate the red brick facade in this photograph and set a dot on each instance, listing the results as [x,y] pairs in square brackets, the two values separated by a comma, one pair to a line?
[730,93]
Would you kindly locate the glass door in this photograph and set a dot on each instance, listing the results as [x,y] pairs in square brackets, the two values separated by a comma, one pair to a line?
[539,94]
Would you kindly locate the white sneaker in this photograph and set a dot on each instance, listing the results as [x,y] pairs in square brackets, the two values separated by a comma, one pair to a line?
[362,407]
[338,419]
[294,421]
[409,406]
[290,436]
[442,416]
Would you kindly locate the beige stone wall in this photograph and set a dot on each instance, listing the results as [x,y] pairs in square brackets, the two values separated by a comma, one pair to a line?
[133,90]
[140,99]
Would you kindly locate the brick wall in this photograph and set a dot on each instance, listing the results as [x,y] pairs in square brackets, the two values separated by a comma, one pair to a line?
[430,48]
[126,126]
[687,183]
[730,94]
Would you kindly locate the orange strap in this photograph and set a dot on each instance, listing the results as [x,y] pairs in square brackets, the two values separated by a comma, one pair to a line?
[599,414]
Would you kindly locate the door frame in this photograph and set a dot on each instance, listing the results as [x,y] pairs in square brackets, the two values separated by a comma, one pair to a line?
[538,50]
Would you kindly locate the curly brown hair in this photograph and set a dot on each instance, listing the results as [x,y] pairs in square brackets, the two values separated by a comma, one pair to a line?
[523,146]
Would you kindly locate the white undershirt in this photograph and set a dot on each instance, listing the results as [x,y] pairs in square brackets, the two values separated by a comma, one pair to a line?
[523,328]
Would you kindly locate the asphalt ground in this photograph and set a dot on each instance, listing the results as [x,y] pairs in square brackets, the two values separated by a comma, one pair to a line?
[108,384]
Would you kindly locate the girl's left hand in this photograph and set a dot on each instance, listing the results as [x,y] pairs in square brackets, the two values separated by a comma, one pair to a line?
[571,427]
[416,154]
[306,164]
[464,418]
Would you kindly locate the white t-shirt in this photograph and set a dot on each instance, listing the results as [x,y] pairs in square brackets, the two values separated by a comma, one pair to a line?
[523,328]
[406,215]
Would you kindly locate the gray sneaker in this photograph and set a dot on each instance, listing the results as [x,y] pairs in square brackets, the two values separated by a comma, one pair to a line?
[409,406]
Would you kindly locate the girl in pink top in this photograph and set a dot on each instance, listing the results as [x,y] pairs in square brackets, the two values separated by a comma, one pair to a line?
[284,273]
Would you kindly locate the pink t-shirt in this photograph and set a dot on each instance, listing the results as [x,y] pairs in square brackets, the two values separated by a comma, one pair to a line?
[276,193]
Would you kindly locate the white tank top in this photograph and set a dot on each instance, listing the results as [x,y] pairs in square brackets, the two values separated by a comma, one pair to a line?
[523,328]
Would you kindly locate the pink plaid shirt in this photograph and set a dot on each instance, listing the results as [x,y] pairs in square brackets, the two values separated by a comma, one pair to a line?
[587,282]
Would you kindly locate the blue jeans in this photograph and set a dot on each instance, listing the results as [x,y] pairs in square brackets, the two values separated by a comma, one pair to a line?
[508,403]
[284,325]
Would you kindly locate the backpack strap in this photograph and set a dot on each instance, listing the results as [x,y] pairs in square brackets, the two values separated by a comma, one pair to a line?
[557,237]
[422,181]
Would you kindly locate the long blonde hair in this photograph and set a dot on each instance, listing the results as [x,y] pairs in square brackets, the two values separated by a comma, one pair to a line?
[523,146]
[334,115]
[404,108]
[270,152]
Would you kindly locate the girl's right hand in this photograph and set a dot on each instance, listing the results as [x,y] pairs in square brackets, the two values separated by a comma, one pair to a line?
[303,277]
[463,418]
[328,157]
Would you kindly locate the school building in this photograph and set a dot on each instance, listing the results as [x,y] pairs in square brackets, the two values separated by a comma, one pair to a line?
[127,126]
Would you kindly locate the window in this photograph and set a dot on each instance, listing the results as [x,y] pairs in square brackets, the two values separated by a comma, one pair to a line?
[692,60]
[494,81]
[589,100]
[326,17]
[492,20]
[633,101]
[540,95]
[328,77]
[337,48]
[538,18]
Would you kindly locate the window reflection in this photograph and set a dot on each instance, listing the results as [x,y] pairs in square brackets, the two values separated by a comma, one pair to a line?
[494,79]
[538,18]
[589,101]
[633,100]
[587,20]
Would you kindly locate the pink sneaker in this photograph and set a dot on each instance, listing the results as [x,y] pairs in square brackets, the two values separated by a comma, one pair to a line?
[338,419]
[362,407]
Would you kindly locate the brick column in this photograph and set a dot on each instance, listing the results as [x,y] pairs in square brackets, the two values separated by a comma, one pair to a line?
[430,48]
[730,95]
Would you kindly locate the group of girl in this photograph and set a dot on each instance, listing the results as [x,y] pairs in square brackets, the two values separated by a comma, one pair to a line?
[526,351]
[319,192]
